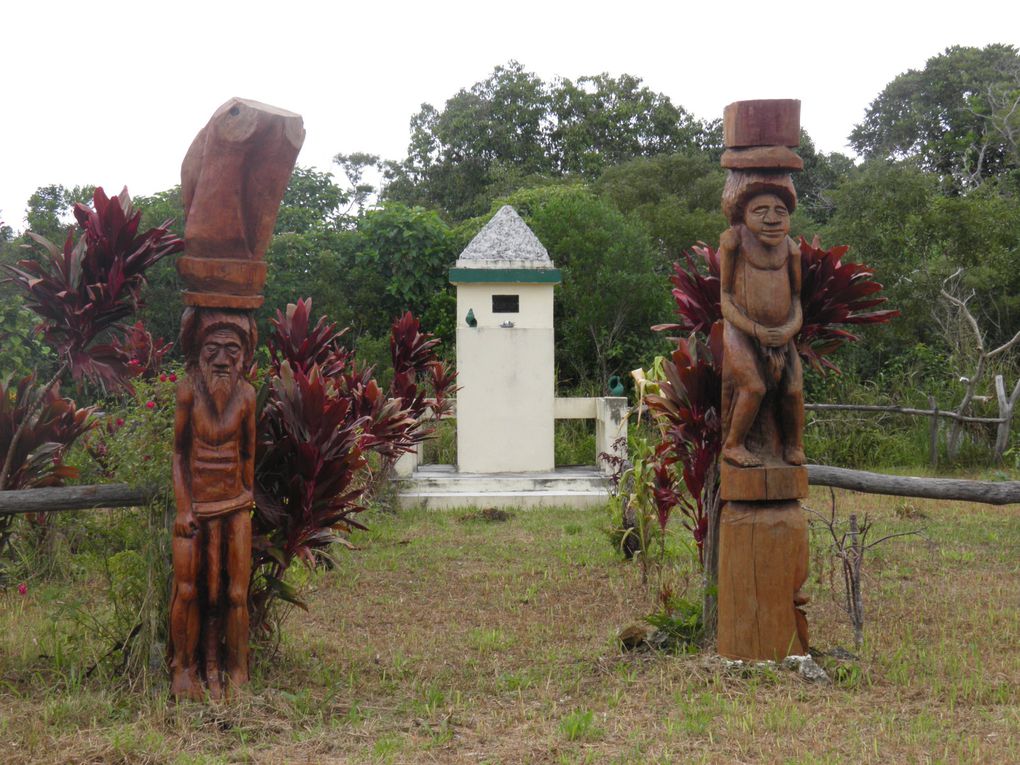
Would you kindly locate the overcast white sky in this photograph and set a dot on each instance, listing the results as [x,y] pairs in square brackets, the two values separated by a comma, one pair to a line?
[112,92]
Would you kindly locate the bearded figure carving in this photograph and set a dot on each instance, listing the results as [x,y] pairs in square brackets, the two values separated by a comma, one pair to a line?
[213,469]
[232,181]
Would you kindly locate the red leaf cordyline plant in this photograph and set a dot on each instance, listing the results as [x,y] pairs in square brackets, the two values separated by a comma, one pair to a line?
[834,292]
[84,290]
[322,415]
[309,454]
[687,407]
[417,373]
[57,422]
[90,286]
[144,353]
[37,459]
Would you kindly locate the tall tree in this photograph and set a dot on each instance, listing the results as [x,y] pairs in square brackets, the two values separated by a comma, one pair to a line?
[601,121]
[513,130]
[676,196]
[49,209]
[959,116]
[494,127]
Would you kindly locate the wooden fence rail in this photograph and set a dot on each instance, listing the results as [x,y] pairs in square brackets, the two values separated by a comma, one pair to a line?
[988,492]
[902,410]
[91,497]
[1002,423]
[121,495]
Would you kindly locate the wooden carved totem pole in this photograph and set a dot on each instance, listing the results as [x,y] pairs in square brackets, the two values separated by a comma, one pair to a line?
[232,180]
[763,529]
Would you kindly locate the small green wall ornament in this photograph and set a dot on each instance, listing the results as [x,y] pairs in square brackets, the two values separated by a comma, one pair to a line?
[470,318]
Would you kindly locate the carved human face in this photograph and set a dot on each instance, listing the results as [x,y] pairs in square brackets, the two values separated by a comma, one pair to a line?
[220,360]
[768,219]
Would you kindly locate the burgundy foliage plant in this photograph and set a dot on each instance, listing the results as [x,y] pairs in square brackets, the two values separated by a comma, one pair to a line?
[687,407]
[46,434]
[88,287]
[322,416]
[37,427]
[834,292]
[82,292]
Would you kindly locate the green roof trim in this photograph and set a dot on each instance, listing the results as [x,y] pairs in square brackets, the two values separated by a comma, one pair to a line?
[505,275]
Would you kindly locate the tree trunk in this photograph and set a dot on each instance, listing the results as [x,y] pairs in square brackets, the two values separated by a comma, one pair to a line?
[933,433]
[713,508]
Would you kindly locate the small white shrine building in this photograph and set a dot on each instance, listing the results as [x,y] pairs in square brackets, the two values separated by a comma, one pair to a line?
[506,403]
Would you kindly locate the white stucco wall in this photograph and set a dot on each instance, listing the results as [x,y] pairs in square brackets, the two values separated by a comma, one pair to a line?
[505,420]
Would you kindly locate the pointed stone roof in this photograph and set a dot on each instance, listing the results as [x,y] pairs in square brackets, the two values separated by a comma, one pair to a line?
[505,242]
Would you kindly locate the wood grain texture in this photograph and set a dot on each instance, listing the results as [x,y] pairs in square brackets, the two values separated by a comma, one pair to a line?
[766,122]
[58,498]
[770,482]
[763,559]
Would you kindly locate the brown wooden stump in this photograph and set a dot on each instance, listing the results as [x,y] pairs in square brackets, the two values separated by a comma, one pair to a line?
[763,557]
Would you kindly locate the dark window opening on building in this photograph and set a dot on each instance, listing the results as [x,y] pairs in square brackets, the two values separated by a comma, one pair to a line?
[506,303]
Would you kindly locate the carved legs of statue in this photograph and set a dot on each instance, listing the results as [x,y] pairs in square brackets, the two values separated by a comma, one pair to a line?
[792,410]
[238,575]
[185,626]
[213,627]
[745,410]
[218,557]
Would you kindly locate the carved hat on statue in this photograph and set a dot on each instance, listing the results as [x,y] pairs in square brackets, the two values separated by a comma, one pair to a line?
[198,323]
[742,185]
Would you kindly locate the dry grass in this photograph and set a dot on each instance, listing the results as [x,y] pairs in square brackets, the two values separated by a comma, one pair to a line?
[461,638]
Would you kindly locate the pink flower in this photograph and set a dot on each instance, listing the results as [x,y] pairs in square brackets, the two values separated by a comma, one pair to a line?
[23,589]
[134,363]
[173,378]
[150,404]
[162,378]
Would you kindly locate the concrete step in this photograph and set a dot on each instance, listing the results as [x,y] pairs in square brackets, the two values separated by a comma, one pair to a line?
[441,486]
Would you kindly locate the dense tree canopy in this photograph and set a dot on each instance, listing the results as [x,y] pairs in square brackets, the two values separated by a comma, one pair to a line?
[512,130]
[618,181]
[959,116]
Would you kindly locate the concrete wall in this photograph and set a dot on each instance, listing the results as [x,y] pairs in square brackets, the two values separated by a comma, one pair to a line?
[505,417]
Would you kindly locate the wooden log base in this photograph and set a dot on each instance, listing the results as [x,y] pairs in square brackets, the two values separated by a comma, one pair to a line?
[769,482]
[763,557]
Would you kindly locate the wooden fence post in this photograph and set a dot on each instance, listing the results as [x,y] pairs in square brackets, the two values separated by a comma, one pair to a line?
[933,433]
[1007,405]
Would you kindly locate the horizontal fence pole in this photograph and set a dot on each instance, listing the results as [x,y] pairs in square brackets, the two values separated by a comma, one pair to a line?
[57,499]
[90,497]
[988,492]
[900,410]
